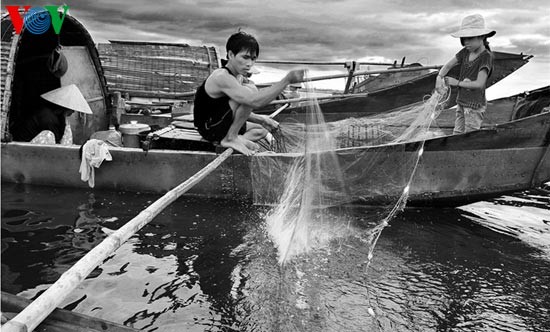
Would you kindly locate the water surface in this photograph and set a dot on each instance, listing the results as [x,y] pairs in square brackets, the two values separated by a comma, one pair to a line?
[208,265]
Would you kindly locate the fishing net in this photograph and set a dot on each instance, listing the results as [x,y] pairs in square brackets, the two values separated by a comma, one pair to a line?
[317,169]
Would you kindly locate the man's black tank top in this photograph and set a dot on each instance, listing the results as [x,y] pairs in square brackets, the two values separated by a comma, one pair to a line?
[208,109]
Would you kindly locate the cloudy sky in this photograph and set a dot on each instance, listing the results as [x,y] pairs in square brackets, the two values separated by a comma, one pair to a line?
[326,30]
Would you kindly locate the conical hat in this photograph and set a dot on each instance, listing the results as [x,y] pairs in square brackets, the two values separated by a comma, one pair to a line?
[69,97]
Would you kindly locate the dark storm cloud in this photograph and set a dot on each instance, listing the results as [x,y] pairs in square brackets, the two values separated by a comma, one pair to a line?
[346,29]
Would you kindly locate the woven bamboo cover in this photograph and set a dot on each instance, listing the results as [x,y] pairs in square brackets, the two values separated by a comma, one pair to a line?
[143,69]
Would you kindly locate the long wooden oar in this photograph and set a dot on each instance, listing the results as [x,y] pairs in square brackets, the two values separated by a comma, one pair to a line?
[30,317]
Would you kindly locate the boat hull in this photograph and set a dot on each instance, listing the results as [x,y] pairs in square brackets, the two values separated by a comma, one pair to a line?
[512,156]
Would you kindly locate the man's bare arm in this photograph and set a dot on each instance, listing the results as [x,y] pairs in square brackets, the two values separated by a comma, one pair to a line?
[228,85]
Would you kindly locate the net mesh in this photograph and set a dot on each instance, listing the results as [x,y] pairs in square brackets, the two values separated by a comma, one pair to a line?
[319,168]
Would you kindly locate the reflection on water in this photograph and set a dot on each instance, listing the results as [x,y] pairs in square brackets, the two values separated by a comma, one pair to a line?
[174,272]
[525,215]
[208,265]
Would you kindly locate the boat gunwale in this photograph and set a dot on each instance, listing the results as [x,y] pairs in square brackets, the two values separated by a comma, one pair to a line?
[407,145]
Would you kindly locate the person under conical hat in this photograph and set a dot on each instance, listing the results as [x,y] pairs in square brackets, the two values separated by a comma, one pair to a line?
[69,97]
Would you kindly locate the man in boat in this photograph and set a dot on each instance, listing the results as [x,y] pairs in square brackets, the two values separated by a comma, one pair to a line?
[224,102]
[49,124]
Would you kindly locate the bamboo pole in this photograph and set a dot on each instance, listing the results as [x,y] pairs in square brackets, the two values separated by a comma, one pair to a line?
[364,72]
[163,94]
[323,63]
[295,100]
[280,109]
[303,62]
[30,317]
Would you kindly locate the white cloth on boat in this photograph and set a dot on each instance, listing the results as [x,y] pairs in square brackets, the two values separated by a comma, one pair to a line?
[94,152]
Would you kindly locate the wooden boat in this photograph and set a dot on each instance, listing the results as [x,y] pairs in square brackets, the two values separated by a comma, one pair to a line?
[505,157]
[504,63]
[25,75]
[61,320]
[511,155]
[405,90]
[378,82]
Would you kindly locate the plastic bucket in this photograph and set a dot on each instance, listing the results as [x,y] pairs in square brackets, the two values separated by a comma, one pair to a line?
[130,133]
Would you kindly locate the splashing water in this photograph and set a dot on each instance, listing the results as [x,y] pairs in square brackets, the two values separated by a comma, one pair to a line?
[325,166]
[314,182]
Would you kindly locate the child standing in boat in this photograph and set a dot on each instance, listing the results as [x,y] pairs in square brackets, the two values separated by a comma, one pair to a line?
[476,64]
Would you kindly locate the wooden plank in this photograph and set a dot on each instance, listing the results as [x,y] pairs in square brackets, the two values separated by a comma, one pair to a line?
[63,320]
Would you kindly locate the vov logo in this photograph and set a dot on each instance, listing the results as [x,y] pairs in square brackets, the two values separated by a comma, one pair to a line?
[37,20]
